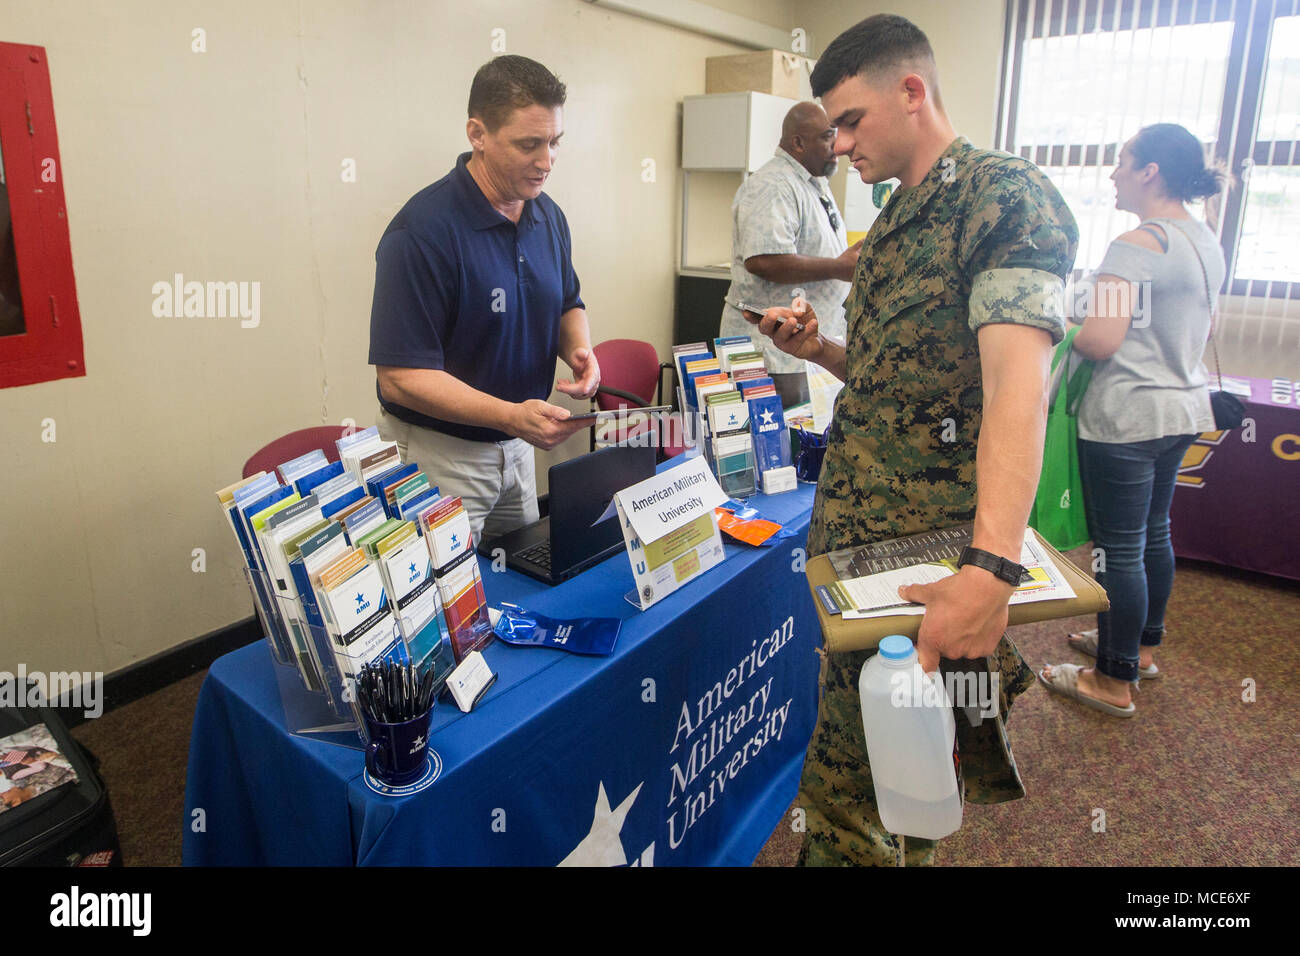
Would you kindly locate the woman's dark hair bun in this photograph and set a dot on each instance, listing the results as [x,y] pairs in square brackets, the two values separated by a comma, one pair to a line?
[1181,159]
[1207,183]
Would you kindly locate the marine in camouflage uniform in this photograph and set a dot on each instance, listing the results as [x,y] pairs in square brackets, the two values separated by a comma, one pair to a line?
[983,238]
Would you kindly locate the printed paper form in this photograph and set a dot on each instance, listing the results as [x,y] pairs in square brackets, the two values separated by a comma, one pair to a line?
[876,595]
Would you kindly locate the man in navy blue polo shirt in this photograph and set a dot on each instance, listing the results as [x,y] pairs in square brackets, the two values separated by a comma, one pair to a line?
[476,298]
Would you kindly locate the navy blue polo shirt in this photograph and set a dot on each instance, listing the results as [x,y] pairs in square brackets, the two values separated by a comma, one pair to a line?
[461,288]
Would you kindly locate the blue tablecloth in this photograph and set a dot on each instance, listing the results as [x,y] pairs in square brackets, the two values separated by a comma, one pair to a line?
[683,747]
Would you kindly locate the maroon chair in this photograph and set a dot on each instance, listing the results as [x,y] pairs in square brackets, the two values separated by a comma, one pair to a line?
[631,376]
[290,446]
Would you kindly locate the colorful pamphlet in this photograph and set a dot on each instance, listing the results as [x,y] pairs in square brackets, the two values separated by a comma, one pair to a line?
[451,548]
[357,614]
[407,570]
[366,517]
[724,348]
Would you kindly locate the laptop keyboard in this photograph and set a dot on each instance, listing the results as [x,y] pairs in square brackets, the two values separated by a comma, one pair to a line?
[539,554]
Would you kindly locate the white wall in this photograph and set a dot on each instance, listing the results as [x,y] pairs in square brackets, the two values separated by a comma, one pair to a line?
[225,165]
[967,39]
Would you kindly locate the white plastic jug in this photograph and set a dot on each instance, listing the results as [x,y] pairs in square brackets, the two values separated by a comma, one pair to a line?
[909,725]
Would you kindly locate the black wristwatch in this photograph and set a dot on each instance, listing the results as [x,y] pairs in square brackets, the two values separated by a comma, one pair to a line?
[1014,574]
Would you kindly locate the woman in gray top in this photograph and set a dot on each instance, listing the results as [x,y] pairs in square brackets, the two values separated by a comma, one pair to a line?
[1147,320]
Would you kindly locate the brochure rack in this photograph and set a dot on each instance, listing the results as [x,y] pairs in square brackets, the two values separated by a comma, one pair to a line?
[311,687]
[692,438]
[736,473]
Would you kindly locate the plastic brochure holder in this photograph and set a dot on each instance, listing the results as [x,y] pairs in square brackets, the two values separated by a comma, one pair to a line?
[692,437]
[735,473]
[272,629]
[429,644]
[311,688]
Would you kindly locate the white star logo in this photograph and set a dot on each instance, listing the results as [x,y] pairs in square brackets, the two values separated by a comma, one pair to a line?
[603,846]
[767,417]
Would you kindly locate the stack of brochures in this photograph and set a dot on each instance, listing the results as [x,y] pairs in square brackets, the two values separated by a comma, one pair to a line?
[341,569]
[455,569]
[737,413]
[731,443]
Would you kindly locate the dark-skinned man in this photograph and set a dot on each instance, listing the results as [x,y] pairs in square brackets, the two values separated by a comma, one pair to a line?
[787,240]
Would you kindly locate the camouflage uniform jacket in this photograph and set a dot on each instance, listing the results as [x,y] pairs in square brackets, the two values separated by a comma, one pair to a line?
[983,238]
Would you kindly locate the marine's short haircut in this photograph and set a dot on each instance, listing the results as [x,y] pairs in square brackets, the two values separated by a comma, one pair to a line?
[507,83]
[877,46]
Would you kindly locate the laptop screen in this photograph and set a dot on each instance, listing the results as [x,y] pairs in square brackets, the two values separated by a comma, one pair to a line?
[580,489]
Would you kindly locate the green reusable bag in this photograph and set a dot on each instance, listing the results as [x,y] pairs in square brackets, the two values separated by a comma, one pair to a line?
[1058,513]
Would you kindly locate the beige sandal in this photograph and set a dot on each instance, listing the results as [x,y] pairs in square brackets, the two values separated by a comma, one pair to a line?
[1085,642]
[1065,681]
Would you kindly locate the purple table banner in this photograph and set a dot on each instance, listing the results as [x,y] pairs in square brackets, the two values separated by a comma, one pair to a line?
[1237,502]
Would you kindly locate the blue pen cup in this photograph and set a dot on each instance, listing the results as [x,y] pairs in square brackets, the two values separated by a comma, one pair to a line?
[808,465]
[396,752]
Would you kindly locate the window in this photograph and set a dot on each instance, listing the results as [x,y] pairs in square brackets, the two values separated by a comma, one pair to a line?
[40,326]
[1082,76]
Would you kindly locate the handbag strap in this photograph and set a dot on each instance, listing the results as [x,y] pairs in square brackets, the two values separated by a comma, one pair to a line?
[1209,301]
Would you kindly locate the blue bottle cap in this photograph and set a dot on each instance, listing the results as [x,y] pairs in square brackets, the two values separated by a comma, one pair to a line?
[896,647]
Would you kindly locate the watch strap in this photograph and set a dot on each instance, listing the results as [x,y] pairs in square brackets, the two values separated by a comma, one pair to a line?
[999,567]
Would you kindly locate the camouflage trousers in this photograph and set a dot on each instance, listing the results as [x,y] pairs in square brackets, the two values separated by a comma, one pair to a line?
[836,793]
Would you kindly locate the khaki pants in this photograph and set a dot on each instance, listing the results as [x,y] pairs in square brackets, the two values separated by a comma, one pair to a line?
[496,481]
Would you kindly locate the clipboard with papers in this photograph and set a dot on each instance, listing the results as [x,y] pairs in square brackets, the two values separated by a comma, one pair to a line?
[855,590]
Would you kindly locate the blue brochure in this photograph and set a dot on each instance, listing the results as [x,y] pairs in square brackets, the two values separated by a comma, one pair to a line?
[771,440]
[414,506]
[307,482]
[377,484]
[330,509]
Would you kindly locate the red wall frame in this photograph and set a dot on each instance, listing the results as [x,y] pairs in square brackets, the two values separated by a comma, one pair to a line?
[51,347]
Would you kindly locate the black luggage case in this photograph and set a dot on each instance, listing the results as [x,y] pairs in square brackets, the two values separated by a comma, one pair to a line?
[71,825]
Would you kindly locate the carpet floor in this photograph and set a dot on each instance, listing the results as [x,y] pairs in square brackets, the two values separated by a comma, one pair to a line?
[1206,773]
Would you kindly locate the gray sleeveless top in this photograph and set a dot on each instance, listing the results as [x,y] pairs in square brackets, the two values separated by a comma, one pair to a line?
[1155,385]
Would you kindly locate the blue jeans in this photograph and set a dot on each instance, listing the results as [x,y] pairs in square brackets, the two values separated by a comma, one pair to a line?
[1127,491]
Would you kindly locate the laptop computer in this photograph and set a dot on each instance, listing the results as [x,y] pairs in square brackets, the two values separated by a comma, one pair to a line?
[565,542]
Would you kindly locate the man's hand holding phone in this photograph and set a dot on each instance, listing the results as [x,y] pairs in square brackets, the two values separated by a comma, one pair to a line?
[792,330]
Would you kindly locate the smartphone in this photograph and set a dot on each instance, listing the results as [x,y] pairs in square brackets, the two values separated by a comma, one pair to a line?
[753,310]
[593,417]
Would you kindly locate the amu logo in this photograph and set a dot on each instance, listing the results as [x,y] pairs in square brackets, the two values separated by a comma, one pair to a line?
[562,633]
[362,603]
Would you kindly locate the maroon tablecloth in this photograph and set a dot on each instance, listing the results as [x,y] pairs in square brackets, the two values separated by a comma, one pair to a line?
[1238,496]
